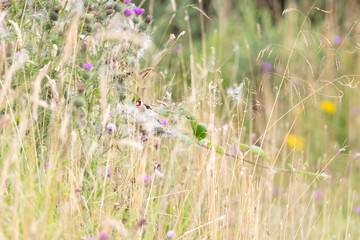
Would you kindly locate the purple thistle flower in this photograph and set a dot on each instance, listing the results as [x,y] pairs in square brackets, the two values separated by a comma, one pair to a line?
[127,1]
[317,195]
[170,234]
[357,209]
[139,11]
[164,121]
[103,236]
[108,172]
[88,66]
[337,40]
[111,127]
[266,66]
[148,179]
[128,12]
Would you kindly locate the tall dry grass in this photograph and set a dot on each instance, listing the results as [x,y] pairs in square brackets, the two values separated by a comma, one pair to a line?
[63,177]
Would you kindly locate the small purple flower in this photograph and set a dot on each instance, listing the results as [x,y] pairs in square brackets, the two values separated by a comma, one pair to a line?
[127,1]
[164,121]
[357,154]
[88,66]
[357,209]
[111,127]
[128,12]
[266,66]
[148,179]
[103,236]
[170,234]
[18,53]
[108,61]
[108,172]
[354,110]
[47,165]
[275,191]
[234,151]
[337,40]
[139,11]
[111,115]
[317,195]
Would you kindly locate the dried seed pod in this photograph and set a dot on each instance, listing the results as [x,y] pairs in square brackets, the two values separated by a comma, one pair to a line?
[109,11]
[148,19]
[56,10]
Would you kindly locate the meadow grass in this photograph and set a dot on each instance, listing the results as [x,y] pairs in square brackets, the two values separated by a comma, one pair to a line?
[253,132]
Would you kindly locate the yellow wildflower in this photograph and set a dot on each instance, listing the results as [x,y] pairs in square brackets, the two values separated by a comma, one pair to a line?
[296,142]
[328,106]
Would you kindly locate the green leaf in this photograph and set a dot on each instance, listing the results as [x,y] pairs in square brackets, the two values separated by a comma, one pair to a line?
[188,140]
[211,145]
[254,149]
[199,130]
[162,111]
[183,111]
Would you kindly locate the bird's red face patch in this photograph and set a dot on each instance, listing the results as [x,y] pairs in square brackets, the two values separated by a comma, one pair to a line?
[138,102]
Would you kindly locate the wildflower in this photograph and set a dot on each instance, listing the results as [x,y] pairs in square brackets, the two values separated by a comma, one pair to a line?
[127,1]
[164,121]
[108,172]
[18,53]
[111,127]
[354,110]
[266,66]
[47,165]
[170,234]
[328,106]
[88,66]
[296,142]
[357,209]
[337,40]
[146,179]
[139,11]
[317,195]
[236,94]
[275,191]
[111,115]
[128,12]
[103,236]
[234,151]
[357,154]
